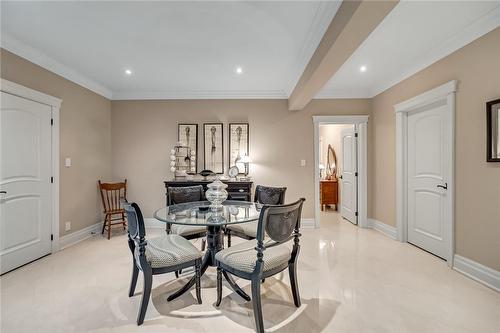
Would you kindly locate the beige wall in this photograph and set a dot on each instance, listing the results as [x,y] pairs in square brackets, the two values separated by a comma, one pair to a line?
[143,132]
[84,136]
[477,207]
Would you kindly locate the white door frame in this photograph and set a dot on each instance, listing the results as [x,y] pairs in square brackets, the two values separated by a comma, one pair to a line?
[55,104]
[446,93]
[361,124]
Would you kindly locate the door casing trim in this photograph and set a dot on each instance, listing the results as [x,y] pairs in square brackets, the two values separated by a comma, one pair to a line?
[55,104]
[361,124]
[446,93]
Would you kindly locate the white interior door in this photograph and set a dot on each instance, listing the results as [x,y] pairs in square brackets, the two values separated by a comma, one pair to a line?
[349,186]
[428,164]
[25,172]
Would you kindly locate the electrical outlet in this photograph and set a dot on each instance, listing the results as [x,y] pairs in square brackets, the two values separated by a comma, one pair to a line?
[68,226]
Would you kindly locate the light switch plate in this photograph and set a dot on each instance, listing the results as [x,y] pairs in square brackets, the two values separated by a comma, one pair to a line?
[67,226]
[303,163]
[67,162]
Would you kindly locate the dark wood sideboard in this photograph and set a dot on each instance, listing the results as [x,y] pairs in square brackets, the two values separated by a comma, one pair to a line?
[236,190]
[329,193]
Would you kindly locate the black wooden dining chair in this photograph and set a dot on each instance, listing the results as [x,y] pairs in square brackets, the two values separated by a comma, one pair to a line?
[178,195]
[166,254]
[265,195]
[258,259]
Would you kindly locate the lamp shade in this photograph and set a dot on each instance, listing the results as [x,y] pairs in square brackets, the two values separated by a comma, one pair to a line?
[245,159]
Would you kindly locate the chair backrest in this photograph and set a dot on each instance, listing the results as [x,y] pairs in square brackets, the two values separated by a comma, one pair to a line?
[280,222]
[177,195]
[112,194]
[136,228]
[269,195]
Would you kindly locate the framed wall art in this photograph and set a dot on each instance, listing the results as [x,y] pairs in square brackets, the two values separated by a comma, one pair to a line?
[238,144]
[213,147]
[187,135]
[493,131]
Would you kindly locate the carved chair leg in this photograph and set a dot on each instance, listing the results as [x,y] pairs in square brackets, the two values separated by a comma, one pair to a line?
[133,282]
[203,244]
[123,221]
[109,226]
[228,233]
[257,306]
[219,286]
[104,224]
[292,270]
[198,280]
[176,274]
[148,282]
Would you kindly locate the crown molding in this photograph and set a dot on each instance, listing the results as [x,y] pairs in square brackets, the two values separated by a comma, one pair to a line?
[324,15]
[480,27]
[200,94]
[343,94]
[11,44]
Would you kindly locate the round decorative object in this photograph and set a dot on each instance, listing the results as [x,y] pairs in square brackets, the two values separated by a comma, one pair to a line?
[172,151]
[192,163]
[233,171]
[193,153]
[216,194]
[172,163]
[172,169]
[172,157]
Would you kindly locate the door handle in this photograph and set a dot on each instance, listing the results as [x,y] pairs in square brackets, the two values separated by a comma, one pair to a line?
[3,192]
[444,187]
[341,177]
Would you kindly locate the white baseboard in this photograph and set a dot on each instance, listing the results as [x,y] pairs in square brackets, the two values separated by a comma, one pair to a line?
[308,223]
[386,229]
[478,272]
[80,235]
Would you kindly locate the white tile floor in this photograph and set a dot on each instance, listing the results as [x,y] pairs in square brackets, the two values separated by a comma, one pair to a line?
[351,280]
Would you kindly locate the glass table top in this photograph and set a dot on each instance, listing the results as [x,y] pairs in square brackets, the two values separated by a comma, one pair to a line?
[199,213]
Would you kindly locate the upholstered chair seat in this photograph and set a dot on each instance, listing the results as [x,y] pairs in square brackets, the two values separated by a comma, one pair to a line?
[265,195]
[242,256]
[249,229]
[170,250]
[187,230]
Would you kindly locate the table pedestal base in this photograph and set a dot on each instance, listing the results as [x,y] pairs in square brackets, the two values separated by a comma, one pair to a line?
[215,243]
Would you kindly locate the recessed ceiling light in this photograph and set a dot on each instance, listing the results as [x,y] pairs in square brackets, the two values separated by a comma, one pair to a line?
[128,71]
[362,69]
[239,70]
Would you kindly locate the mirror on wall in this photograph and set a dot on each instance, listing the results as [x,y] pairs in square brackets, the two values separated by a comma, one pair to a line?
[493,131]
[331,163]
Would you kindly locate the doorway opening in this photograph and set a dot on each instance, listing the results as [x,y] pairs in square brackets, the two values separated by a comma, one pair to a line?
[340,171]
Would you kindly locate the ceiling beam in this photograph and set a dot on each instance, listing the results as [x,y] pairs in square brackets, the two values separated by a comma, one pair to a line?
[352,24]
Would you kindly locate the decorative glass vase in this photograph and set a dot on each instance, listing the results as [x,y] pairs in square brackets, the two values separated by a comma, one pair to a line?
[216,194]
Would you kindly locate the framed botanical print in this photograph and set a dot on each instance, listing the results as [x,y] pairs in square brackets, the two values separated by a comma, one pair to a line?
[187,135]
[213,147]
[238,144]
[493,131]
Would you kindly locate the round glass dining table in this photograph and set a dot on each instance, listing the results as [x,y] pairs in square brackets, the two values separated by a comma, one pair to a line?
[199,214]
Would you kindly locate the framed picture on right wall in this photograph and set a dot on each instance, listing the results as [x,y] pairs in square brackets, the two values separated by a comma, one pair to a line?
[493,131]
[238,144]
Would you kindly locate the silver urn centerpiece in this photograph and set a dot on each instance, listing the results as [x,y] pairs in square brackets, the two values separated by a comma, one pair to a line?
[216,194]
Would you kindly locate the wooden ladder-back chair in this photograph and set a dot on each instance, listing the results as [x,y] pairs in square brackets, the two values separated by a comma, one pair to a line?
[112,195]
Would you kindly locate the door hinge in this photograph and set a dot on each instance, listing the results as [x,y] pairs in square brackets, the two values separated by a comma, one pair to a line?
[51,180]
[51,237]
[356,214]
[51,121]
[355,135]
[356,174]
